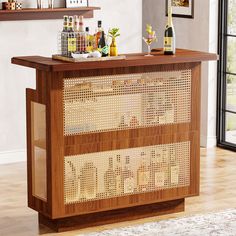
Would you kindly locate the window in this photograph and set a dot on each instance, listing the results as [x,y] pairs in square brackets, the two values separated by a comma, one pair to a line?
[226,125]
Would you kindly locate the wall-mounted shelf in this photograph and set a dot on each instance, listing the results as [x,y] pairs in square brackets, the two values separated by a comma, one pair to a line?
[43,14]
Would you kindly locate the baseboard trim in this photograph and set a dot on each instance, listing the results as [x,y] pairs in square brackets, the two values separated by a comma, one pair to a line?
[208,141]
[8,157]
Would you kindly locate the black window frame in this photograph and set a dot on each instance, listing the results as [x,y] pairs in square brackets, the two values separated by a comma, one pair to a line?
[222,77]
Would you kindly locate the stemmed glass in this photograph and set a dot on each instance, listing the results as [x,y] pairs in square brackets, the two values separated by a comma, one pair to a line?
[149,42]
[151,37]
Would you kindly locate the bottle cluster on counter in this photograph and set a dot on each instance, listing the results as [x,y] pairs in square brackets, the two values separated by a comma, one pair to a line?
[76,39]
[154,169]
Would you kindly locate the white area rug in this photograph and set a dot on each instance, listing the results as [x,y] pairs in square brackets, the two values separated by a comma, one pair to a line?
[213,224]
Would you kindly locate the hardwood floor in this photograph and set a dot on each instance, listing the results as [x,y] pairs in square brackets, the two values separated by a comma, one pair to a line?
[218,192]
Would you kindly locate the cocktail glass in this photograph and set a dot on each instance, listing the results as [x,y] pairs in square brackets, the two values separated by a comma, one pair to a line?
[149,42]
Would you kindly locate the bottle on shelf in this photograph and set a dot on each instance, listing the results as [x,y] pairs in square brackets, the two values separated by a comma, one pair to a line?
[102,45]
[71,37]
[76,23]
[128,177]
[72,182]
[98,32]
[143,174]
[118,174]
[169,37]
[174,167]
[89,181]
[158,173]
[166,164]
[64,36]
[89,40]
[110,179]
[81,38]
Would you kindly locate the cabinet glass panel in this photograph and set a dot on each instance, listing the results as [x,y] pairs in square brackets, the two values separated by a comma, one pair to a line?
[116,102]
[38,134]
[102,175]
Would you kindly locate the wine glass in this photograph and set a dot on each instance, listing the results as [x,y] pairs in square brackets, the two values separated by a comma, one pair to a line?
[149,40]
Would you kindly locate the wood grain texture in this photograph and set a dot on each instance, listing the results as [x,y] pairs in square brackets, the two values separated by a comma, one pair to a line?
[108,217]
[40,14]
[132,60]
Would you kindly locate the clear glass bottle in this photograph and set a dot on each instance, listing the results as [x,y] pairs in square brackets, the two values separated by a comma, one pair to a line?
[89,181]
[71,38]
[143,174]
[110,179]
[118,174]
[128,177]
[64,36]
[174,167]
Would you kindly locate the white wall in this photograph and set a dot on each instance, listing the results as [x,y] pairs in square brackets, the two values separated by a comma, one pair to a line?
[200,34]
[18,38]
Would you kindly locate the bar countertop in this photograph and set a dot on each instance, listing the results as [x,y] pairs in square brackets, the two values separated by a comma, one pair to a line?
[137,59]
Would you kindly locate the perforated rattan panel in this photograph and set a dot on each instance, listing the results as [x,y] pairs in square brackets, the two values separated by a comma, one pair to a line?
[95,176]
[116,102]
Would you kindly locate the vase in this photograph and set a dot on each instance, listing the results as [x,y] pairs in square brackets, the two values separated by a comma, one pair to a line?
[113,48]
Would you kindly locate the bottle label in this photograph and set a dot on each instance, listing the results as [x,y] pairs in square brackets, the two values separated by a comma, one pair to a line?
[144,177]
[159,179]
[168,44]
[174,175]
[129,185]
[71,44]
[105,50]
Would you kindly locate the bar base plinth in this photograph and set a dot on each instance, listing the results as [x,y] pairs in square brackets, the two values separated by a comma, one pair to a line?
[113,216]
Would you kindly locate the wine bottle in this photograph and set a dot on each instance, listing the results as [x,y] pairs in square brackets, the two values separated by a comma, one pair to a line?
[102,46]
[110,179]
[169,38]
[64,37]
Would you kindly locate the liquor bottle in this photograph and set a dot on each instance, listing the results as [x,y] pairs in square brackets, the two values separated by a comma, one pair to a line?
[76,23]
[89,40]
[143,174]
[118,174]
[89,181]
[64,37]
[102,46]
[71,37]
[166,164]
[174,167]
[159,172]
[71,182]
[169,38]
[98,33]
[123,123]
[81,38]
[128,177]
[110,179]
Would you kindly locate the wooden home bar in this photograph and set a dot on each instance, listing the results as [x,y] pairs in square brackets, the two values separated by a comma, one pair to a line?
[111,141]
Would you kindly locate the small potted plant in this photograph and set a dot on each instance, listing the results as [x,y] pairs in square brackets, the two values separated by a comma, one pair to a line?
[113,33]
